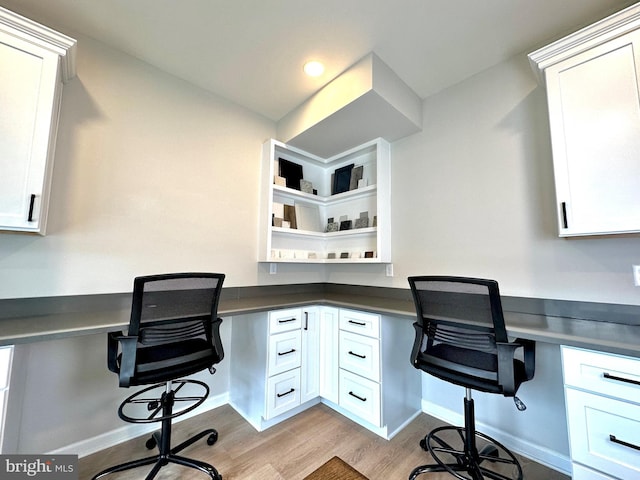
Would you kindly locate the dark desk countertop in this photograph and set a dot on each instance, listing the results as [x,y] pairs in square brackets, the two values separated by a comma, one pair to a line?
[32,320]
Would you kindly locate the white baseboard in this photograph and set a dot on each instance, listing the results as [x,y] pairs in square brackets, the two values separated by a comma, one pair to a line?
[132,430]
[535,452]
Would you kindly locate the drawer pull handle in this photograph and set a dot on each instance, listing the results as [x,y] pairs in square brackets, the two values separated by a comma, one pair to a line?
[358,397]
[287,320]
[306,320]
[620,379]
[32,202]
[625,444]
[286,353]
[285,393]
[361,324]
[356,355]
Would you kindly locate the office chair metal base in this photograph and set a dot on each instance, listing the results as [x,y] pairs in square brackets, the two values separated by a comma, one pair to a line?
[492,461]
[455,450]
[163,405]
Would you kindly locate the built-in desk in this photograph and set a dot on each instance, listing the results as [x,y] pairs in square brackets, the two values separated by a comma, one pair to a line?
[609,328]
[60,342]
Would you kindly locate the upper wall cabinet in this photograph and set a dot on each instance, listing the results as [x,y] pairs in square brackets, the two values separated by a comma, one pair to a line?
[592,86]
[334,210]
[36,61]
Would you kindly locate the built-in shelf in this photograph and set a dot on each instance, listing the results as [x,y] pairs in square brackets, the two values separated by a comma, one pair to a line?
[368,244]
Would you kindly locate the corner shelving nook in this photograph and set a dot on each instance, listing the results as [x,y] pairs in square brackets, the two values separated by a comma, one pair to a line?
[295,223]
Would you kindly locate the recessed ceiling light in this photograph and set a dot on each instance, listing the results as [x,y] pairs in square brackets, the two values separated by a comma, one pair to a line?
[313,69]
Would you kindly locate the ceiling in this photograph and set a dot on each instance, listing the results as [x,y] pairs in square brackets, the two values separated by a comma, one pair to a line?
[252,51]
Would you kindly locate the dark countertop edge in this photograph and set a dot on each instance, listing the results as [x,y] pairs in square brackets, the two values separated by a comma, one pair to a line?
[607,327]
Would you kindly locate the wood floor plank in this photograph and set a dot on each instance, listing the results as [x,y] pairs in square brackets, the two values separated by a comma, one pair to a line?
[290,450]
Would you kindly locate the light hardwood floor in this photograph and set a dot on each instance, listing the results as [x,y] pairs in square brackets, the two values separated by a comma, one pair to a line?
[290,450]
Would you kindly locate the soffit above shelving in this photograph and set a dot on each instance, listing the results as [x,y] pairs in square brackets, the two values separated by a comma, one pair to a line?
[367,101]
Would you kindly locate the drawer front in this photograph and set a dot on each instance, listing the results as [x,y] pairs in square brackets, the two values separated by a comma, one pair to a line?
[360,355]
[360,322]
[360,397]
[284,352]
[285,320]
[604,433]
[613,375]
[283,393]
[584,473]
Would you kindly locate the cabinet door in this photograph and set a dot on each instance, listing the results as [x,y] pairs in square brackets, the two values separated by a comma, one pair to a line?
[594,111]
[310,367]
[329,354]
[29,102]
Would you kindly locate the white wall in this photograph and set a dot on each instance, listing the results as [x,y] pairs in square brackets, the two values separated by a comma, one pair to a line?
[151,175]
[472,194]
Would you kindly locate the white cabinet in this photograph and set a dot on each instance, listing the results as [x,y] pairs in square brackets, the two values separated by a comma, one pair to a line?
[285,361]
[593,96]
[602,393]
[365,205]
[378,387]
[36,61]
[6,356]
[274,363]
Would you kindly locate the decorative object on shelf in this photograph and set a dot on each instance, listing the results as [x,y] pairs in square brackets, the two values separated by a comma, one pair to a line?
[342,179]
[345,225]
[307,217]
[356,176]
[306,186]
[369,254]
[331,255]
[375,221]
[291,171]
[290,215]
[332,227]
[362,183]
[363,221]
[280,181]
[286,224]
[344,255]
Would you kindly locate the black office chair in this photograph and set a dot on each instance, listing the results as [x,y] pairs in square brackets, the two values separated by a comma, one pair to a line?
[174,331]
[461,338]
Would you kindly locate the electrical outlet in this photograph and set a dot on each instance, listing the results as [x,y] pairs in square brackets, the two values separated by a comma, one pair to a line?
[636,275]
[389,270]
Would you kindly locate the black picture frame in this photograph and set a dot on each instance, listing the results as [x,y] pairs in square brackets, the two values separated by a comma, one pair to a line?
[292,173]
[342,179]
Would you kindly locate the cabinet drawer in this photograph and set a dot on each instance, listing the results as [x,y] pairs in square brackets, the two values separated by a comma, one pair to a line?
[613,375]
[285,320]
[360,322]
[283,393]
[360,355]
[604,433]
[360,396]
[284,352]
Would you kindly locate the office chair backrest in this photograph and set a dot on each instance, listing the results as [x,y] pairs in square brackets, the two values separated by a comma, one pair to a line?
[459,325]
[174,307]
[173,331]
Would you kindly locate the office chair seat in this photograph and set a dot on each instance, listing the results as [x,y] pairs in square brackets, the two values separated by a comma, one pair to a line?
[461,338]
[173,332]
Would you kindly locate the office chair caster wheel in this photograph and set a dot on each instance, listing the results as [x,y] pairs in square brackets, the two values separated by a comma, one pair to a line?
[151,443]
[213,438]
[423,444]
